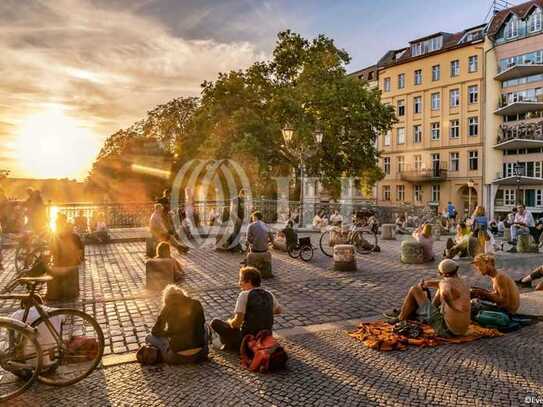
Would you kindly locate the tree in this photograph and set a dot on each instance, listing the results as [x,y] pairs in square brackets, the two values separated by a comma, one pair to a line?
[305,85]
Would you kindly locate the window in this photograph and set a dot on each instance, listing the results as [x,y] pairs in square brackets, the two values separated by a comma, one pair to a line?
[534,22]
[401,81]
[386,165]
[473,94]
[435,131]
[401,108]
[455,97]
[509,197]
[538,197]
[386,192]
[386,84]
[455,162]
[472,64]
[537,169]
[473,160]
[473,126]
[418,193]
[455,67]
[418,76]
[435,193]
[400,193]
[401,135]
[436,101]
[436,73]
[418,162]
[417,134]
[401,163]
[454,130]
[430,45]
[387,138]
[417,104]
[511,28]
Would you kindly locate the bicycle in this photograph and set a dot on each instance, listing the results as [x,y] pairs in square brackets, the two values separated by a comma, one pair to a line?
[362,236]
[29,248]
[60,347]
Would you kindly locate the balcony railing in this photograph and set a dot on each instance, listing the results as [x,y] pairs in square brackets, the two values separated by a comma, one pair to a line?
[513,71]
[522,104]
[438,173]
[524,135]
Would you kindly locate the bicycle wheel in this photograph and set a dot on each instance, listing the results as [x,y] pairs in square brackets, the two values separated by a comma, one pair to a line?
[294,251]
[324,244]
[20,360]
[364,242]
[80,349]
[306,253]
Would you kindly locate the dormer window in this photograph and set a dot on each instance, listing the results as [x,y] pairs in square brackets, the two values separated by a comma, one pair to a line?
[511,28]
[534,21]
[423,47]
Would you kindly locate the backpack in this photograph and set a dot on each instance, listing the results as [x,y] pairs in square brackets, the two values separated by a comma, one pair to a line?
[262,353]
[81,346]
[148,355]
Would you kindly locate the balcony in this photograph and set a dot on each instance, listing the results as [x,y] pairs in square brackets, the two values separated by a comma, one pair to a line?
[516,180]
[436,174]
[521,105]
[519,71]
[525,135]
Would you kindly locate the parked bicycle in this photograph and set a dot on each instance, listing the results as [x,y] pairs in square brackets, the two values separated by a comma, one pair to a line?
[30,247]
[57,347]
[362,234]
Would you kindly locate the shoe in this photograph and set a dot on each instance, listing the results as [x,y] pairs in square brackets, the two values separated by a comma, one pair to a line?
[392,314]
[512,250]
[523,284]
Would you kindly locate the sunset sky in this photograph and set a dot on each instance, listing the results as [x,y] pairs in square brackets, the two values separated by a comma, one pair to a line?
[74,71]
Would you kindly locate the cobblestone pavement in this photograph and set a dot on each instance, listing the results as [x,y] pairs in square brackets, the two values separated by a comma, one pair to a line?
[326,369]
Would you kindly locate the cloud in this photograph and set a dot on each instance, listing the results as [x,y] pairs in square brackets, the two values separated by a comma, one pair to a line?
[104,63]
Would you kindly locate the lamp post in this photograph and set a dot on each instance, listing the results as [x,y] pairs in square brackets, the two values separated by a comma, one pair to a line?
[517,171]
[288,135]
[471,184]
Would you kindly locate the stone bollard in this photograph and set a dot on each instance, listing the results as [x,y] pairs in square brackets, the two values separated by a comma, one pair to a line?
[344,258]
[411,252]
[150,247]
[280,244]
[525,244]
[507,235]
[388,231]
[65,283]
[158,274]
[261,261]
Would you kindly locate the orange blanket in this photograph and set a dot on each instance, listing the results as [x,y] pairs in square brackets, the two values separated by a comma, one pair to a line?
[379,335]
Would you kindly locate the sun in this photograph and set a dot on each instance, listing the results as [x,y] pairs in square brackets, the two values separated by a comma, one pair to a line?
[51,144]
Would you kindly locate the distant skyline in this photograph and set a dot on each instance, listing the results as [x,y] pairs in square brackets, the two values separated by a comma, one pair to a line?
[103,64]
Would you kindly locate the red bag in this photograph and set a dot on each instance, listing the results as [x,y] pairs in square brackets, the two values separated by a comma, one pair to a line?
[79,346]
[262,353]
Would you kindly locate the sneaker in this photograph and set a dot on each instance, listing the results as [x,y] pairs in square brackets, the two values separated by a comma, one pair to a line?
[523,284]
[392,314]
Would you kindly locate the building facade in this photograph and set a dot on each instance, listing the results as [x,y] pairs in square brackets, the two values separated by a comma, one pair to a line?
[434,153]
[514,106]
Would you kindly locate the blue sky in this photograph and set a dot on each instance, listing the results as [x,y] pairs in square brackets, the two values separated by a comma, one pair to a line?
[105,63]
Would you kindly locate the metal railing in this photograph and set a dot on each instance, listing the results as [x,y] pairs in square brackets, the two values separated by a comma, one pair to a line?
[527,131]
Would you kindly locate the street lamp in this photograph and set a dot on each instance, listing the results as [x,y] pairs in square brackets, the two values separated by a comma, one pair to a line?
[471,184]
[288,135]
[518,172]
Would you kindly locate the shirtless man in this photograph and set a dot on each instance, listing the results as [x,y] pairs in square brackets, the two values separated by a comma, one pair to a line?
[449,311]
[504,294]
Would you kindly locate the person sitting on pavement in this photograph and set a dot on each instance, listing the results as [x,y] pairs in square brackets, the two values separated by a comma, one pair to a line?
[462,243]
[449,312]
[336,219]
[423,235]
[319,221]
[493,226]
[163,252]
[522,223]
[254,311]
[160,232]
[98,228]
[179,331]
[401,225]
[258,234]
[536,274]
[504,296]
[501,227]
[67,249]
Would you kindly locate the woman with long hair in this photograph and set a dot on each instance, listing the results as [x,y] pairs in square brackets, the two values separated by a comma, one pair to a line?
[179,332]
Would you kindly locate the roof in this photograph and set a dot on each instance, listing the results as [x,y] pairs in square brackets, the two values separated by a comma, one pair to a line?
[365,73]
[520,11]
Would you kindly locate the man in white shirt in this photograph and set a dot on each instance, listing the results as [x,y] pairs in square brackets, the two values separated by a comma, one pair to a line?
[522,223]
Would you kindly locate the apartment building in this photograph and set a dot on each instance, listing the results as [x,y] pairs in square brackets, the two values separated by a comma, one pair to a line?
[434,154]
[513,109]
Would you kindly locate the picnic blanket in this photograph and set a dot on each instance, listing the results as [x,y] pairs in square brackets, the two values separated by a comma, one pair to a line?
[379,335]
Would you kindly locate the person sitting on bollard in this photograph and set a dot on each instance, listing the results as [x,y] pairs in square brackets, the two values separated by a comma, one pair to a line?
[423,235]
[163,252]
[254,311]
[401,225]
[288,234]
[336,219]
[66,247]
[461,243]
[258,234]
[504,296]
[179,331]
[160,232]
[319,221]
[526,282]
[449,312]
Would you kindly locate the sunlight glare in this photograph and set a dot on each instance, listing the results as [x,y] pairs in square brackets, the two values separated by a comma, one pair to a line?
[51,144]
